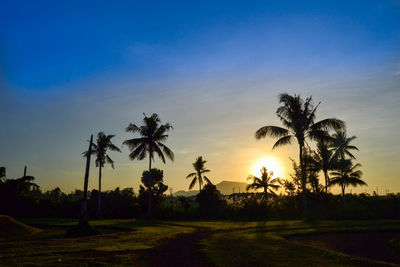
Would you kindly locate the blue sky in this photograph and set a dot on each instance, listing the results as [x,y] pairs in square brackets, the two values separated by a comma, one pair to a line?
[213,69]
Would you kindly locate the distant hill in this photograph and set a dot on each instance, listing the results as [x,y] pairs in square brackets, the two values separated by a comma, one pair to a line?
[186,193]
[225,187]
[229,187]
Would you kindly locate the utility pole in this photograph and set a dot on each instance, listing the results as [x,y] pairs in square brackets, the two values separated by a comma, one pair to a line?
[25,171]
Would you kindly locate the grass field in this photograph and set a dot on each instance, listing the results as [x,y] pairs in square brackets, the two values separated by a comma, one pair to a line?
[127,242]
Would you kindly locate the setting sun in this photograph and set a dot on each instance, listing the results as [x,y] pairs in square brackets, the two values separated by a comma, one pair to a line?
[271,163]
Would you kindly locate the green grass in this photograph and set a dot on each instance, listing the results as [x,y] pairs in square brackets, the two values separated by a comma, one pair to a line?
[121,246]
[12,229]
[124,242]
[266,246]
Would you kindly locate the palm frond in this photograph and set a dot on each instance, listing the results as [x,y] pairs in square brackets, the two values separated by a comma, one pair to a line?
[167,151]
[329,124]
[110,161]
[193,183]
[283,141]
[207,180]
[138,153]
[132,128]
[191,175]
[159,153]
[273,131]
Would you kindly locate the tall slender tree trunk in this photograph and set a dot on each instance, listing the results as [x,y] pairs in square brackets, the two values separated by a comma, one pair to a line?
[84,217]
[326,180]
[303,183]
[344,195]
[265,196]
[149,193]
[200,180]
[99,213]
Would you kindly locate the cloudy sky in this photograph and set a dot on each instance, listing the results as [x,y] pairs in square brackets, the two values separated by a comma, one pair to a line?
[212,69]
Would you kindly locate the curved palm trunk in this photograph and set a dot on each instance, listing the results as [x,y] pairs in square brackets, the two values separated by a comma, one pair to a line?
[99,196]
[149,200]
[303,183]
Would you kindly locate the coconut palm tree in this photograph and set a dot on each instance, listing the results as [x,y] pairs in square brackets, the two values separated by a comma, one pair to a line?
[2,172]
[298,117]
[99,149]
[341,145]
[265,182]
[289,187]
[198,175]
[347,174]
[152,135]
[323,160]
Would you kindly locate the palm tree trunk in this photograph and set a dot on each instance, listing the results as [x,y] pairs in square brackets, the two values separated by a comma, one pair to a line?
[326,181]
[303,183]
[99,195]
[84,217]
[265,195]
[149,193]
[200,180]
[343,195]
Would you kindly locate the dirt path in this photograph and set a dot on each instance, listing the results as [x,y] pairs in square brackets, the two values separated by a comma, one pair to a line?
[183,250]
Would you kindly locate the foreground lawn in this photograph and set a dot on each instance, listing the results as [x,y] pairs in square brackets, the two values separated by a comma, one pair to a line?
[120,244]
[127,242]
[268,246]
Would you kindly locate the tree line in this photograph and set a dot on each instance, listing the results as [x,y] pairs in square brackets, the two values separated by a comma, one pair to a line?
[324,147]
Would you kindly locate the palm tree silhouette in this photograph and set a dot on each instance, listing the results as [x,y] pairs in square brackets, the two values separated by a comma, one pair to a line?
[2,172]
[152,135]
[347,174]
[103,143]
[341,145]
[323,159]
[266,182]
[298,117]
[198,175]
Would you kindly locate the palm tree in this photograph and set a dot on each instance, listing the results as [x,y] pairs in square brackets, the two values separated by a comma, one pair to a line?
[266,182]
[298,117]
[103,143]
[347,174]
[2,172]
[152,135]
[198,175]
[341,145]
[289,187]
[323,160]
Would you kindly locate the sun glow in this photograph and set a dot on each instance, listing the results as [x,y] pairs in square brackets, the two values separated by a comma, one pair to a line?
[271,163]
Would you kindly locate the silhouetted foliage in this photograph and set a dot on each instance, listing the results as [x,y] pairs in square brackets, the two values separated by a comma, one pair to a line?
[151,195]
[341,145]
[347,174]
[2,172]
[267,183]
[198,175]
[152,135]
[298,117]
[210,201]
[99,149]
